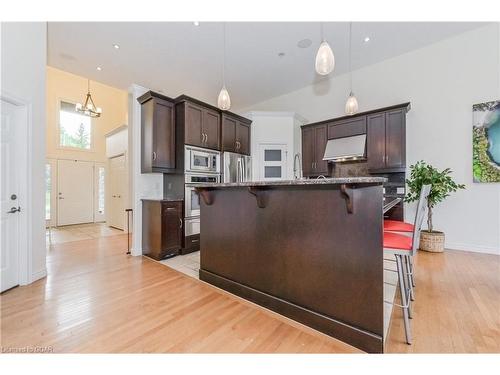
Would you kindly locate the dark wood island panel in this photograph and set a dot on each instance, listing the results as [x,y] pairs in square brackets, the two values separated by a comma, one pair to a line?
[309,251]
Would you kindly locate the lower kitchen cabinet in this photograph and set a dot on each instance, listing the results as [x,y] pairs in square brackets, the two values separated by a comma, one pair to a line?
[162,228]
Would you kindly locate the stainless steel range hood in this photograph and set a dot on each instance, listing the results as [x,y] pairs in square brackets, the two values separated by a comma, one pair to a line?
[346,149]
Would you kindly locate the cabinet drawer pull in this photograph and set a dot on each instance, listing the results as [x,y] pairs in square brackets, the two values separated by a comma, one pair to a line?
[170,208]
[194,241]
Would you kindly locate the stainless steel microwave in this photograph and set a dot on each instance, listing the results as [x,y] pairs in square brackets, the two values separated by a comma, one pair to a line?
[201,160]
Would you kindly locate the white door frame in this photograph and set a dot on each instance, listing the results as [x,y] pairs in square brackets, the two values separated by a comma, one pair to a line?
[24,140]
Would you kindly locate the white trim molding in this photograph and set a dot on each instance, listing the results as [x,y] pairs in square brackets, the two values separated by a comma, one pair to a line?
[473,248]
[294,115]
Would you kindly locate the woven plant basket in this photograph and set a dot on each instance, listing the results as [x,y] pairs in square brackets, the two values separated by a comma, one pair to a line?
[432,241]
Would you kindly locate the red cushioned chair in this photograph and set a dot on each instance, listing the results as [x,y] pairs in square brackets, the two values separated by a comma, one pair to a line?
[398,226]
[404,248]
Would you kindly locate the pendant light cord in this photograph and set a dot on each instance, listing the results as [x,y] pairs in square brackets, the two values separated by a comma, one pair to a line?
[224,56]
[322,32]
[350,55]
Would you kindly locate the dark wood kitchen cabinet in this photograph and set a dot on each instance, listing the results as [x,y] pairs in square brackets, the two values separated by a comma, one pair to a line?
[158,132]
[347,128]
[162,228]
[201,125]
[386,141]
[314,139]
[235,134]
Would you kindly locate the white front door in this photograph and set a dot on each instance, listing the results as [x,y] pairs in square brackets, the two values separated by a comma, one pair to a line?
[11,120]
[75,192]
[117,188]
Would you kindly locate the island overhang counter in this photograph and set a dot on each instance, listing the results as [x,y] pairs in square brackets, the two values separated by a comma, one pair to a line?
[310,250]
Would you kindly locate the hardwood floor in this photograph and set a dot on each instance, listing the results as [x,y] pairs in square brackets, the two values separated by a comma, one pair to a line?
[96,299]
[457,307]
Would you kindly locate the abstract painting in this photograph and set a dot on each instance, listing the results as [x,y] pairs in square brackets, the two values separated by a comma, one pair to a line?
[486,141]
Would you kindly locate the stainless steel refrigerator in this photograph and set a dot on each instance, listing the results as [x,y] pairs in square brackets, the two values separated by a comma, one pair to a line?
[237,167]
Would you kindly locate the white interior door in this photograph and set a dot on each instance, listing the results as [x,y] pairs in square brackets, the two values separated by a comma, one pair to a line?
[272,159]
[10,215]
[75,192]
[117,187]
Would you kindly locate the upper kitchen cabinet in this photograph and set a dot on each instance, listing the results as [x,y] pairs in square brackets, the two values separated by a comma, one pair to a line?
[201,124]
[158,133]
[235,134]
[314,139]
[347,128]
[386,140]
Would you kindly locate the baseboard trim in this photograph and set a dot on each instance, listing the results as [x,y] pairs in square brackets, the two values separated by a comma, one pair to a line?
[359,338]
[473,248]
[39,275]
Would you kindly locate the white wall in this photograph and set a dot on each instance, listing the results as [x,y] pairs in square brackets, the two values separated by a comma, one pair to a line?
[23,61]
[147,185]
[274,128]
[442,81]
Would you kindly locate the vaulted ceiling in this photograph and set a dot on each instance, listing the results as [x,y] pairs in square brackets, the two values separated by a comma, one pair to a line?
[263,60]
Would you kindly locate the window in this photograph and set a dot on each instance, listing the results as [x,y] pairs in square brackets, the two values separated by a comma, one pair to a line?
[100,189]
[48,190]
[75,129]
[273,166]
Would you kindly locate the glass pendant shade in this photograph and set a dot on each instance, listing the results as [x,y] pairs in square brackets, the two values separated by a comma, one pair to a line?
[351,106]
[325,61]
[224,101]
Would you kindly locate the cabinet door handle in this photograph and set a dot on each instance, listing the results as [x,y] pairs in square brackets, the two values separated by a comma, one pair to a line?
[154,155]
[180,223]
[206,137]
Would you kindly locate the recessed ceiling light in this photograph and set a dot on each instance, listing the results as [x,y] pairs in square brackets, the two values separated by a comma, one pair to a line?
[99,68]
[367,39]
[196,23]
[304,43]
[116,46]
[281,54]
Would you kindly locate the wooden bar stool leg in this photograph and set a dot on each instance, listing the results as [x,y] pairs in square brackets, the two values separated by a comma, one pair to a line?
[404,301]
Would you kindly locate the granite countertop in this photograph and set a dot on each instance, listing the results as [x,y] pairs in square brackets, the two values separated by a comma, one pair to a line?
[321,181]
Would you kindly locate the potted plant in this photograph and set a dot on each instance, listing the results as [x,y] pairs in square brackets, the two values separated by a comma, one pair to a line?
[441,187]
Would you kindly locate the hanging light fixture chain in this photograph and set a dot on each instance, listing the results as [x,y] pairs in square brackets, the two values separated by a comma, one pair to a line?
[224,56]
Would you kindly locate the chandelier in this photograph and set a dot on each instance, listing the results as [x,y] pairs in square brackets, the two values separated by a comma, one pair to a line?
[88,108]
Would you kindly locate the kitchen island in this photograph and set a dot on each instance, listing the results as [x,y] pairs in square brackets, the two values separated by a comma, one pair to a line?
[310,250]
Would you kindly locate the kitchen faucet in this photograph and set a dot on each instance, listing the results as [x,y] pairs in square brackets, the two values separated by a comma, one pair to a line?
[297,170]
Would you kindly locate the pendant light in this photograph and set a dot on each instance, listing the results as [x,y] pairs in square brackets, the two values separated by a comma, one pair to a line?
[224,101]
[325,61]
[351,105]
[88,108]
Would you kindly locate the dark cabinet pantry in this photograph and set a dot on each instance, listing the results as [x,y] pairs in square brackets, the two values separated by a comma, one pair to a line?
[162,228]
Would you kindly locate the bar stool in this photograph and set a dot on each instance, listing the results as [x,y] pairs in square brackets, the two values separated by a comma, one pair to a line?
[403,248]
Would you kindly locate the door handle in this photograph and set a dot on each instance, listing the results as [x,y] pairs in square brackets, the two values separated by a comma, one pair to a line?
[13,210]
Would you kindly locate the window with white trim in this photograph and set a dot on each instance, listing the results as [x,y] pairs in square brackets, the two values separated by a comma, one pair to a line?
[75,129]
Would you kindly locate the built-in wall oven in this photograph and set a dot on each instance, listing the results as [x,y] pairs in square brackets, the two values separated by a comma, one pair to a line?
[201,166]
